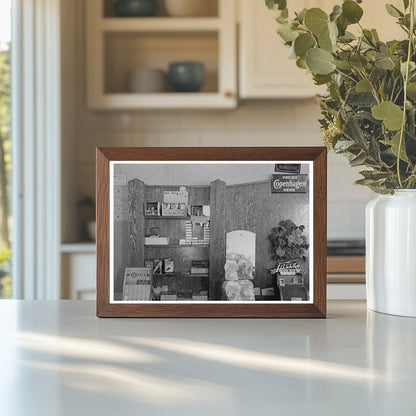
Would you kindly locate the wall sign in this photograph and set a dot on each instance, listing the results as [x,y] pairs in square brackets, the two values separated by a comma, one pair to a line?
[289,183]
[287,167]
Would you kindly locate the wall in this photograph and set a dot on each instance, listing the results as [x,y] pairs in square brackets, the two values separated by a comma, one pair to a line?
[260,212]
[254,123]
[196,173]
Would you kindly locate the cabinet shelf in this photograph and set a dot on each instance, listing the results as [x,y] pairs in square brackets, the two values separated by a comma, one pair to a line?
[160,24]
[196,100]
[175,245]
[181,274]
[117,45]
[159,217]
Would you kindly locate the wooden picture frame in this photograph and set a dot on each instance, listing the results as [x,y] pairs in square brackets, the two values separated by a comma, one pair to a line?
[115,216]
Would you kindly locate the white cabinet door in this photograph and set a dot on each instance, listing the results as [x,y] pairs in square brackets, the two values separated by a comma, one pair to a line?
[265,68]
[78,276]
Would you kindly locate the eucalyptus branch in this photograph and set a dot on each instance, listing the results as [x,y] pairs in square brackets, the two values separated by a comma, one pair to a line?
[406,80]
[346,75]
[373,88]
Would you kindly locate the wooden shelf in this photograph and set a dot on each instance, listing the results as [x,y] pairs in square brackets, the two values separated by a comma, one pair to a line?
[175,245]
[190,100]
[181,274]
[160,24]
[165,217]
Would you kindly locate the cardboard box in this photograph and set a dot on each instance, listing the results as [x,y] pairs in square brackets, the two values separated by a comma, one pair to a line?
[176,197]
[174,210]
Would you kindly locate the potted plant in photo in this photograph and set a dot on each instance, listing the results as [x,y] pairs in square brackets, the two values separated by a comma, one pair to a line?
[289,247]
[368,116]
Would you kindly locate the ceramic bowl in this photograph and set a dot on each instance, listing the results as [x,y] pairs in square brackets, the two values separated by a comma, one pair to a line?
[191,8]
[135,8]
[186,76]
[147,80]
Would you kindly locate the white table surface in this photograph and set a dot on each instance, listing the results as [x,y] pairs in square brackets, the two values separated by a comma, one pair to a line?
[57,358]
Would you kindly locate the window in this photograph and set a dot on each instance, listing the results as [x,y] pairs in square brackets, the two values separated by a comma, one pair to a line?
[5,147]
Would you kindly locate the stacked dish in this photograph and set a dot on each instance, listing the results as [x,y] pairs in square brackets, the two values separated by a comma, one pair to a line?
[147,80]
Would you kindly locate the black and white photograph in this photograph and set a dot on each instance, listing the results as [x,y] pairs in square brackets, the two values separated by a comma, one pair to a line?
[210,232]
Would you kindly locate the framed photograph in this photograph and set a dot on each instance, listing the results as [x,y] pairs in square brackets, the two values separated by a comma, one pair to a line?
[245,234]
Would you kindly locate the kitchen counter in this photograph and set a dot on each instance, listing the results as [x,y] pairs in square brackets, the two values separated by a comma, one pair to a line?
[57,358]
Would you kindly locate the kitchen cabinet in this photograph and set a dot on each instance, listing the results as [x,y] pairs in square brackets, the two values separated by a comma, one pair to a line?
[78,263]
[265,69]
[118,45]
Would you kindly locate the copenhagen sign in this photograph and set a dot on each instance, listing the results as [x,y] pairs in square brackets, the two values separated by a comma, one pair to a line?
[289,183]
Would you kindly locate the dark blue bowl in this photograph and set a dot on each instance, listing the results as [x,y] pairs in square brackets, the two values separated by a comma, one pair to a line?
[135,8]
[186,76]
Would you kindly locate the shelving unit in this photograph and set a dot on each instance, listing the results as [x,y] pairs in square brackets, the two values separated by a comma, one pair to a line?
[181,274]
[131,230]
[160,217]
[175,245]
[116,45]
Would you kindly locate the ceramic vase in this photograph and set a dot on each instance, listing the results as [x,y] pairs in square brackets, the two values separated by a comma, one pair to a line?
[391,253]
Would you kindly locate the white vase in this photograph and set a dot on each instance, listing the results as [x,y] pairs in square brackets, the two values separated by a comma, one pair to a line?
[391,253]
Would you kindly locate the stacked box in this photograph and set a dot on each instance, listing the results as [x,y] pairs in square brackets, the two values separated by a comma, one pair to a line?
[188,232]
[206,233]
[137,283]
[199,297]
[168,296]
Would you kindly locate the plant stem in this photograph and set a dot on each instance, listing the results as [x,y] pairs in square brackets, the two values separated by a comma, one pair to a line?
[406,80]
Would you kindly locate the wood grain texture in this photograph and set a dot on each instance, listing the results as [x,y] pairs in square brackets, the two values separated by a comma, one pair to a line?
[136,223]
[260,211]
[218,242]
[212,310]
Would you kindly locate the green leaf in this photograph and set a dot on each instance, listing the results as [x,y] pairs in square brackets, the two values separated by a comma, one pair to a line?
[333,32]
[316,20]
[347,37]
[351,11]
[301,15]
[276,4]
[411,90]
[358,160]
[375,35]
[384,62]
[287,33]
[374,174]
[325,42]
[388,112]
[319,61]
[394,145]
[344,65]
[368,36]
[336,12]
[343,145]
[303,43]
[363,86]
[301,63]
[406,4]
[393,11]
[321,79]
[358,61]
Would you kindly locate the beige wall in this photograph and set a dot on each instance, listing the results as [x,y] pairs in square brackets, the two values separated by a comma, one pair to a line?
[254,123]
